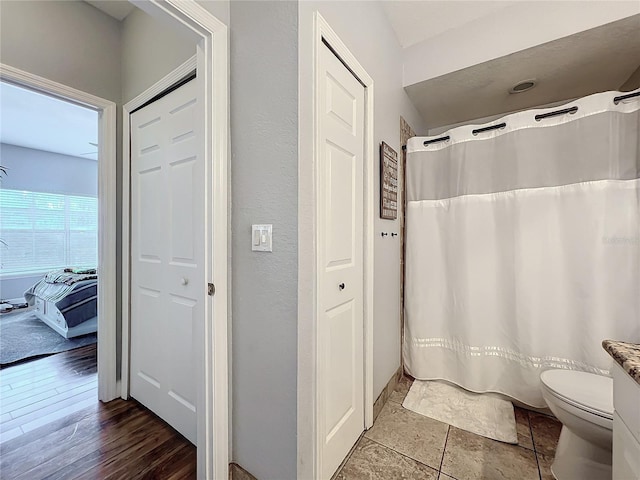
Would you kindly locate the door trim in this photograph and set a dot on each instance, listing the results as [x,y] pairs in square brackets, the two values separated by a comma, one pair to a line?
[211,64]
[107,221]
[309,432]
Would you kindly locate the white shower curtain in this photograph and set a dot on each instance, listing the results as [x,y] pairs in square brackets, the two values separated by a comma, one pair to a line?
[522,246]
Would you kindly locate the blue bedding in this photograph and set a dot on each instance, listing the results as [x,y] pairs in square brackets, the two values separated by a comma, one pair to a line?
[79,303]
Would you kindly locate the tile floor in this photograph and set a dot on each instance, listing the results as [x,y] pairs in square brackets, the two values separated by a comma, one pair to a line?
[405,445]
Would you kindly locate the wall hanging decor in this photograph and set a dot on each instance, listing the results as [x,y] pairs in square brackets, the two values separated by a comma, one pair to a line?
[388,182]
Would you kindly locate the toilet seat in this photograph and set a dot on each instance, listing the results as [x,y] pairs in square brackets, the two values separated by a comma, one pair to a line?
[588,392]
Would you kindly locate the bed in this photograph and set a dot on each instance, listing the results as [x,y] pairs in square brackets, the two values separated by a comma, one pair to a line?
[67,302]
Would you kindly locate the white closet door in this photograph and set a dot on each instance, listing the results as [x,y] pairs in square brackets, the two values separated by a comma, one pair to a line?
[340,261]
[168,283]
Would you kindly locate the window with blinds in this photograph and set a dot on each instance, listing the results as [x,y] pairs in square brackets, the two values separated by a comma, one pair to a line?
[46,231]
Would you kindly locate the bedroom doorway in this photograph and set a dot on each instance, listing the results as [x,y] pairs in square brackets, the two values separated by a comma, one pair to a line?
[58,213]
[48,258]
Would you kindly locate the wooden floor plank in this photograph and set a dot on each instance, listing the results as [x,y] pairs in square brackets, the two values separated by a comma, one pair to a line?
[182,465]
[92,462]
[29,398]
[86,439]
[50,408]
[45,389]
[77,404]
[69,434]
[24,408]
[10,435]
[122,444]
[55,384]
[55,434]
[39,384]
[26,380]
[37,364]
[140,463]
[182,460]
[60,369]
[34,376]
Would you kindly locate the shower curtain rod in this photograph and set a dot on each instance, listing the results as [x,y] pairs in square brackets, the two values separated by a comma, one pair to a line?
[539,117]
[570,111]
[617,100]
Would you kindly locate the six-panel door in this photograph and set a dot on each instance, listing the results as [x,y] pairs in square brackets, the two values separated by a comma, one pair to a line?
[167,256]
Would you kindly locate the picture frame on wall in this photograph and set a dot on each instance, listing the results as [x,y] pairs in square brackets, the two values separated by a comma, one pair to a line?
[388,182]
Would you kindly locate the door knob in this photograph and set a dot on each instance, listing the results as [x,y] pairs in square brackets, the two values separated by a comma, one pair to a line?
[341,286]
[184,281]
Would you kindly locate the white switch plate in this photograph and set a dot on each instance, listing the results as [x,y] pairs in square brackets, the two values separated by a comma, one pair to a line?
[262,238]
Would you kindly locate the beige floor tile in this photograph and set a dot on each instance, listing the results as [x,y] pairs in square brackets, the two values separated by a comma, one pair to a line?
[238,473]
[472,457]
[409,433]
[523,428]
[546,431]
[371,460]
[444,476]
[544,462]
[401,390]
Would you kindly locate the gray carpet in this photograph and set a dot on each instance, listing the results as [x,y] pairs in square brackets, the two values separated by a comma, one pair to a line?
[23,336]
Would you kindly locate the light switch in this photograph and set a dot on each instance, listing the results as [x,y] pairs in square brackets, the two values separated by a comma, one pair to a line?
[261,238]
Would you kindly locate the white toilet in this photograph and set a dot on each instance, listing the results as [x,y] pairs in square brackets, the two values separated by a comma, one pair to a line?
[583,402]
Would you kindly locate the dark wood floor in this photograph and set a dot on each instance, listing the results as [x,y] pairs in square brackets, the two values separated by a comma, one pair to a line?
[67,433]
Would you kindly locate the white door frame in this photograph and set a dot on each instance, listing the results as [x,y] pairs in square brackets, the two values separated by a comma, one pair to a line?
[211,63]
[107,373]
[309,432]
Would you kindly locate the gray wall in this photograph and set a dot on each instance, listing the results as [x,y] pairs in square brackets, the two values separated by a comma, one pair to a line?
[48,172]
[39,171]
[14,288]
[632,82]
[150,50]
[69,42]
[264,146]
[219,8]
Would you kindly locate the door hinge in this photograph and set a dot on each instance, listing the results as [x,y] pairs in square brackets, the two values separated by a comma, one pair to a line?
[211,289]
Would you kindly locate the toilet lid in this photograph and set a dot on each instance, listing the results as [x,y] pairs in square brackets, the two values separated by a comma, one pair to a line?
[584,390]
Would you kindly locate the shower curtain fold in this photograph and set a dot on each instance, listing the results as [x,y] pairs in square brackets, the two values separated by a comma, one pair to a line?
[522,248]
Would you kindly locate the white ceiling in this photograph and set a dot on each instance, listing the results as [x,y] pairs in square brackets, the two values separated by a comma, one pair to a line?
[117,9]
[33,120]
[417,21]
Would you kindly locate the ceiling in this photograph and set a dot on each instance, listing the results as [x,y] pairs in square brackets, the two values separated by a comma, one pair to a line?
[117,9]
[417,21]
[33,120]
[595,60]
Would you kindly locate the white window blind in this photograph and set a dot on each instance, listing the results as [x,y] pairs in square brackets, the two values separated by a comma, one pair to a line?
[45,231]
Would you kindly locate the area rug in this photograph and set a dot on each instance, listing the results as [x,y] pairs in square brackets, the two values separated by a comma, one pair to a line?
[482,414]
[23,336]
